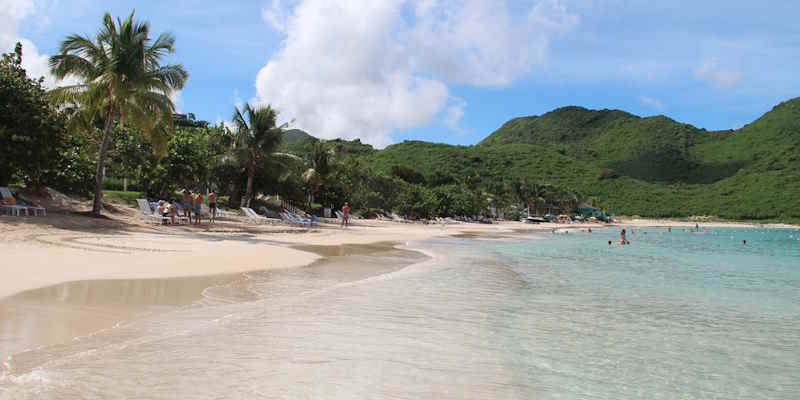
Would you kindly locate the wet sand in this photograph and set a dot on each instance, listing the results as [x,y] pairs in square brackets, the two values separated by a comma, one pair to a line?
[63,312]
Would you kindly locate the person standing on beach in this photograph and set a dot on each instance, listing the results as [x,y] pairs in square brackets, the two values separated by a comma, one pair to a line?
[187,204]
[173,210]
[198,207]
[212,205]
[345,214]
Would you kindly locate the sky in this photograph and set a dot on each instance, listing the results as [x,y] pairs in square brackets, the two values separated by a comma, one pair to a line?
[450,71]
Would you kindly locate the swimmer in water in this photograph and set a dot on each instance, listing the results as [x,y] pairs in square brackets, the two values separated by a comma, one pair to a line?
[622,239]
[744,242]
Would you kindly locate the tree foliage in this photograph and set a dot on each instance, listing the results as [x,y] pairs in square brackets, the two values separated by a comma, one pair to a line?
[121,80]
[36,148]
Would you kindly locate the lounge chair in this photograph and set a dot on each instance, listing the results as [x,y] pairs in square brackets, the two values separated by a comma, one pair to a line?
[16,208]
[397,218]
[148,212]
[294,219]
[254,216]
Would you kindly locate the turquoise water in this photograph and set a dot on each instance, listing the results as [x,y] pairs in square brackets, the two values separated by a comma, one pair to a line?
[675,315]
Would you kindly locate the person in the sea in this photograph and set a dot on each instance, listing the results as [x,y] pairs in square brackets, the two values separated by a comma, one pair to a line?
[345,214]
[609,243]
[212,205]
[622,238]
[187,204]
[744,242]
[198,207]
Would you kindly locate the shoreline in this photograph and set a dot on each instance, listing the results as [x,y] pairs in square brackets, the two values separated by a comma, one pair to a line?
[36,255]
[59,284]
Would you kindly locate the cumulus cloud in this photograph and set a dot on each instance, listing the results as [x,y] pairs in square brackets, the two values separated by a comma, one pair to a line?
[651,102]
[365,69]
[12,12]
[453,114]
[716,74]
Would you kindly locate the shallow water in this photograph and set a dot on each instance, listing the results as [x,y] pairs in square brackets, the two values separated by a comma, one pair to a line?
[690,315]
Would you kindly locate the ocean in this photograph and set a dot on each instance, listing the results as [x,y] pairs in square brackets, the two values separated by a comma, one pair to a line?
[675,315]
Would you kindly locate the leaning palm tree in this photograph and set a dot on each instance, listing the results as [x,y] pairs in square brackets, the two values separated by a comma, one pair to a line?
[120,80]
[256,136]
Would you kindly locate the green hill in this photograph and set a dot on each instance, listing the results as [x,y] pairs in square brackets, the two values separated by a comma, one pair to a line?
[292,136]
[651,166]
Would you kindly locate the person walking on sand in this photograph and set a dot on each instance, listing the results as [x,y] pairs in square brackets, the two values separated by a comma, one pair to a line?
[212,205]
[345,214]
[198,207]
[187,204]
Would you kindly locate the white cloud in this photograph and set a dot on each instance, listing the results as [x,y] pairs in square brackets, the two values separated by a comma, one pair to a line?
[721,76]
[651,102]
[453,114]
[274,14]
[12,12]
[366,69]
[175,96]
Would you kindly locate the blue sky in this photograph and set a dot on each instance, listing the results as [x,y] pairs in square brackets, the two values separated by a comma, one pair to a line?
[453,71]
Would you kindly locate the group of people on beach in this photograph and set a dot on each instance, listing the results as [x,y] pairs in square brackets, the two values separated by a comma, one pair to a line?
[192,202]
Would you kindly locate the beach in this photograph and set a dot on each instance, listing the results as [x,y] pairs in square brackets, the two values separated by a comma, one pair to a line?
[67,276]
[77,290]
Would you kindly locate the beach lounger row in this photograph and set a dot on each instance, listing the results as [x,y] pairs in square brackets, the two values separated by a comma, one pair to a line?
[11,206]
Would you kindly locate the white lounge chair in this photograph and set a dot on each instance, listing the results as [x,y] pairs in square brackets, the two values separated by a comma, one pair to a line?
[16,209]
[294,219]
[147,212]
[397,218]
[254,216]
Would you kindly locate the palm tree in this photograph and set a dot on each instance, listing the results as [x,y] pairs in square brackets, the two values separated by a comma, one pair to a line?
[320,166]
[121,80]
[255,139]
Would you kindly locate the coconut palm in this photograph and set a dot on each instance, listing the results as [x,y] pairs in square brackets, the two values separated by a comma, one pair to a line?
[256,136]
[120,80]
[320,166]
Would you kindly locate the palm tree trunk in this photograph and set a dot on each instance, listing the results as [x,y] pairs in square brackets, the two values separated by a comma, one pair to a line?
[251,172]
[97,205]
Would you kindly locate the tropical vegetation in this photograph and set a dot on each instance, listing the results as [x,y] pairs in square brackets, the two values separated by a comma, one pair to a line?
[121,81]
[116,129]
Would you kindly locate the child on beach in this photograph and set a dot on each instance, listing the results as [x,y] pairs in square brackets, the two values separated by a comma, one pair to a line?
[345,215]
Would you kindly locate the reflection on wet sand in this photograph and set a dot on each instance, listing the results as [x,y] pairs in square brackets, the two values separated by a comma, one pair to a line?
[59,313]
